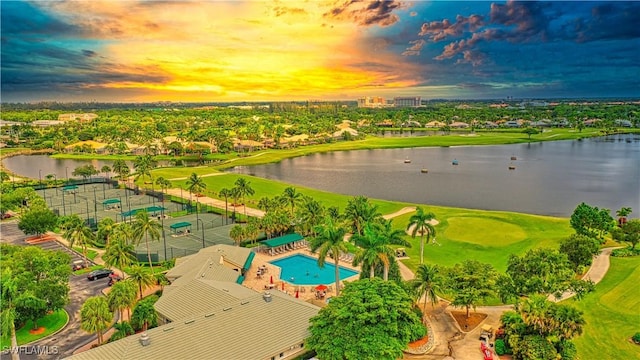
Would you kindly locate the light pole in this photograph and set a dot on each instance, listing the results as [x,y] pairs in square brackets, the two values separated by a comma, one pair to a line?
[55,183]
[66,173]
[197,221]
[64,205]
[95,204]
[40,180]
[197,217]
[164,238]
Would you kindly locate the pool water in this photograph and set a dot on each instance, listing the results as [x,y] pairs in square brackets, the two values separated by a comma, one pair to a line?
[304,270]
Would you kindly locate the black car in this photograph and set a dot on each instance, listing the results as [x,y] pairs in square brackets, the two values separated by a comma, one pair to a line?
[99,274]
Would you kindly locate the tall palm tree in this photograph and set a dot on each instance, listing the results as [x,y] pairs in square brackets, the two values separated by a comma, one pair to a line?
[310,215]
[119,254]
[144,314]
[360,211]
[95,316]
[122,296]
[237,234]
[567,320]
[534,312]
[195,184]
[426,283]
[121,168]
[226,193]
[291,197]
[377,239]
[146,227]
[164,184]
[330,241]
[106,228]
[244,189]
[141,277]
[79,234]
[421,224]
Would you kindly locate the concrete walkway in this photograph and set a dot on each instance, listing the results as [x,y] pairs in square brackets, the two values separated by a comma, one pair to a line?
[220,204]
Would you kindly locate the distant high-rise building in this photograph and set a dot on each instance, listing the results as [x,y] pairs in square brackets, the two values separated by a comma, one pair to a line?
[372,102]
[407,101]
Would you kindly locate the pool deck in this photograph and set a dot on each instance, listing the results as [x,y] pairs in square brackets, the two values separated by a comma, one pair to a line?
[305,292]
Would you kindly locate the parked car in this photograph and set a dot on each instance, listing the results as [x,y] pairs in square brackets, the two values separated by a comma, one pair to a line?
[99,274]
[77,265]
[113,278]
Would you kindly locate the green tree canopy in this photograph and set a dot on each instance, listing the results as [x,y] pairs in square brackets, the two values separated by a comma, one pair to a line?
[580,250]
[372,319]
[629,233]
[37,221]
[469,282]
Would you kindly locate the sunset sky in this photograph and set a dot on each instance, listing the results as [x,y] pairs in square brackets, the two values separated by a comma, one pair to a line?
[314,49]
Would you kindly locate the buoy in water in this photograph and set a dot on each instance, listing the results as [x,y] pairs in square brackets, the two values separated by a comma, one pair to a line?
[513,158]
[424,171]
[512,167]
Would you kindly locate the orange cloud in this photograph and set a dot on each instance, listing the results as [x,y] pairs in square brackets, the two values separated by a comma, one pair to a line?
[236,50]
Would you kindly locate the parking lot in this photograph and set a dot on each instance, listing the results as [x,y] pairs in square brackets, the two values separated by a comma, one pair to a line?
[71,337]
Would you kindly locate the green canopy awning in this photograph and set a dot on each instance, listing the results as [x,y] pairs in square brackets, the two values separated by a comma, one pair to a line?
[247,263]
[148,209]
[70,187]
[180,225]
[283,240]
[111,201]
[240,279]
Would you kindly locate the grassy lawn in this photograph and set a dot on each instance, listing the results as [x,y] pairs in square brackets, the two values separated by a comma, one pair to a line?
[612,313]
[487,236]
[52,323]
[91,254]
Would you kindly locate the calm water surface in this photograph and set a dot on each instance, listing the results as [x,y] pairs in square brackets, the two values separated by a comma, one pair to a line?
[550,178]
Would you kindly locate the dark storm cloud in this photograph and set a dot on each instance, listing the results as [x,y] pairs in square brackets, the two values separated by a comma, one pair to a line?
[89,53]
[439,30]
[363,13]
[30,22]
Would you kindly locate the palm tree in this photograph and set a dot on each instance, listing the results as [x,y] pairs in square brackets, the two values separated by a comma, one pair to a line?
[146,227]
[106,228]
[123,329]
[244,189]
[164,184]
[141,277]
[144,314]
[106,170]
[310,215]
[376,239]
[291,197]
[622,215]
[237,234]
[330,241]
[195,184]
[9,287]
[534,313]
[80,234]
[119,254]
[121,168]
[426,283]
[360,211]
[122,296]
[95,316]
[224,192]
[567,320]
[421,224]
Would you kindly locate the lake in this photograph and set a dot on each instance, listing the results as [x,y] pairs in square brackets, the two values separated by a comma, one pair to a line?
[550,178]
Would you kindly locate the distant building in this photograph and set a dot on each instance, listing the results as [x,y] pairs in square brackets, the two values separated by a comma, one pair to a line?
[372,102]
[80,117]
[407,102]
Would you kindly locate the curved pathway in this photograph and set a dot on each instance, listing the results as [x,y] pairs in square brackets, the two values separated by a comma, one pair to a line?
[453,343]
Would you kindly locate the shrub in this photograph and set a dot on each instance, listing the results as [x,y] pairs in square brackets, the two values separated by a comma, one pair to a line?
[500,347]
[626,252]
[636,338]
[568,350]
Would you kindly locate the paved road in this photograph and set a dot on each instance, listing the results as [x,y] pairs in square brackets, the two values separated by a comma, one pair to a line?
[71,336]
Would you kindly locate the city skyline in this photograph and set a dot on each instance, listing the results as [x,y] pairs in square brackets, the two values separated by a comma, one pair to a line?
[192,51]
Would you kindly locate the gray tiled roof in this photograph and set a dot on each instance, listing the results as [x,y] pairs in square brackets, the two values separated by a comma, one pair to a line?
[198,296]
[244,329]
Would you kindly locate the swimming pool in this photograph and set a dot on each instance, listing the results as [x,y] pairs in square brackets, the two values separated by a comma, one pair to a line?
[304,270]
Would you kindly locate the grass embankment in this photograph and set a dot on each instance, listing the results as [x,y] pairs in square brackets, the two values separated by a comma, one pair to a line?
[52,323]
[612,313]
